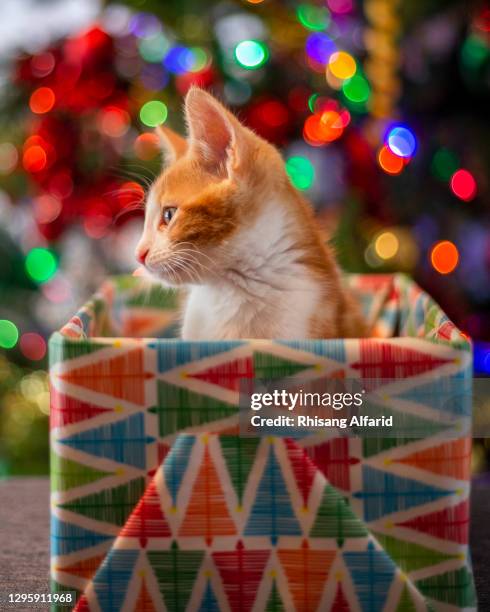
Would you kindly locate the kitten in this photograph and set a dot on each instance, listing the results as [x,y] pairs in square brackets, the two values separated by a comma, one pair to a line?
[224,220]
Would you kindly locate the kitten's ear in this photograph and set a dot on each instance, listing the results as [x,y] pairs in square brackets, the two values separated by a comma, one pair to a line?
[172,144]
[215,135]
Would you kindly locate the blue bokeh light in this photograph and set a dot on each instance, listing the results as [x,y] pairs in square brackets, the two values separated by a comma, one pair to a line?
[179,60]
[401,141]
[320,47]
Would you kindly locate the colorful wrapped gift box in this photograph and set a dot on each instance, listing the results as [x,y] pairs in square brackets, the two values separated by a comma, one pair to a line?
[158,504]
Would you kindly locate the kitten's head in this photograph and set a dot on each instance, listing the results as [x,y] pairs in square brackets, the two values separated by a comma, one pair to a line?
[208,195]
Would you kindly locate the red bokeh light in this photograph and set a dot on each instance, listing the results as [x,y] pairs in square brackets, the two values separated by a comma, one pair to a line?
[444,256]
[42,100]
[463,185]
[32,346]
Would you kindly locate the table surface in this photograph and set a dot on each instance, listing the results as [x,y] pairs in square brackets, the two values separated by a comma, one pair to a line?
[24,532]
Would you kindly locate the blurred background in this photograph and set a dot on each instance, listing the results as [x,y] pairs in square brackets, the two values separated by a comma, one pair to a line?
[379,106]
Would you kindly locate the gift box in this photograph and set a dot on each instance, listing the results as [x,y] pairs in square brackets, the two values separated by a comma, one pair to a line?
[159,504]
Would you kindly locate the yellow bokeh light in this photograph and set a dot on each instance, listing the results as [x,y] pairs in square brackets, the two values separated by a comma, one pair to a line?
[386,245]
[342,65]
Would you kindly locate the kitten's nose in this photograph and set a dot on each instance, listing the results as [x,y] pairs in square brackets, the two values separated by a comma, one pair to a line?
[142,254]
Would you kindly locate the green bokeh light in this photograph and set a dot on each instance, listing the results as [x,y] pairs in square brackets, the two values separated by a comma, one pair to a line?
[199,59]
[251,54]
[312,102]
[301,172]
[41,265]
[9,334]
[154,49]
[356,89]
[444,164]
[153,113]
[474,52]
[312,17]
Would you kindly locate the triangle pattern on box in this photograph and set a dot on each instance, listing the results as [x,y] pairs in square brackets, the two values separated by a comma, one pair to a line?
[451,523]
[175,571]
[272,513]
[406,603]
[179,408]
[209,602]
[67,474]
[207,512]
[333,349]
[239,454]
[448,459]
[335,519]
[333,459]
[275,603]
[176,463]
[268,366]
[171,355]
[410,428]
[227,375]
[447,394]
[86,568]
[340,603]
[67,537]
[147,520]
[307,571]
[384,493]
[111,581]
[410,556]
[303,468]
[454,587]
[144,602]
[66,410]
[241,572]
[372,573]
[110,505]
[82,604]
[71,350]
[123,441]
[385,360]
[122,376]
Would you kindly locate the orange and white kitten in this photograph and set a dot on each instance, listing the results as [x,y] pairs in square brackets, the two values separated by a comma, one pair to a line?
[223,220]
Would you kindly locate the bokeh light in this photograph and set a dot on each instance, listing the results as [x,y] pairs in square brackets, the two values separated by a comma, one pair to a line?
[319,47]
[42,64]
[356,89]
[340,6]
[179,60]
[42,100]
[113,121]
[34,159]
[444,164]
[342,65]
[463,185]
[153,49]
[444,256]
[153,113]
[146,146]
[313,17]
[301,172]
[389,162]
[41,264]
[320,129]
[251,54]
[401,141]
[9,334]
[46,208]
[8,157]
[32,346]
[386,245]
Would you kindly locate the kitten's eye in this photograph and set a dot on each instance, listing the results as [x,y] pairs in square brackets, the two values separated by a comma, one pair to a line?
[168,215]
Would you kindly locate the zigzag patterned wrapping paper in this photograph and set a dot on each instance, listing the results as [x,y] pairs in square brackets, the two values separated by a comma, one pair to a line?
[158,504]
